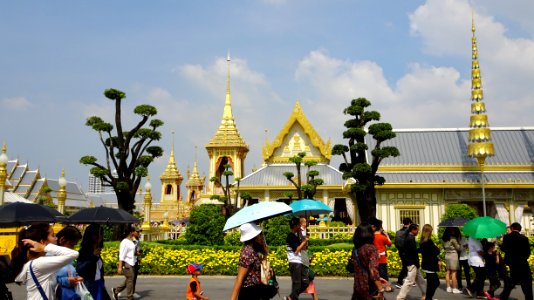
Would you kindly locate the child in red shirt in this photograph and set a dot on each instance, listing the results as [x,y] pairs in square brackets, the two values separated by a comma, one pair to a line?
[381,241]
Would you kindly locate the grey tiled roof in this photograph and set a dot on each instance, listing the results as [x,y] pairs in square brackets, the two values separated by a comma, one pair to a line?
[457,177]
[449,147]
[272,175]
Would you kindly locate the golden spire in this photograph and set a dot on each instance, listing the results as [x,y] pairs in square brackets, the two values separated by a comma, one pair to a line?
[194,180]
[227,134]
[171,172]
[480,145]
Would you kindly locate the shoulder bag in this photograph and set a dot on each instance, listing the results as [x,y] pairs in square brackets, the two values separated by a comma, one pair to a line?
[37,284]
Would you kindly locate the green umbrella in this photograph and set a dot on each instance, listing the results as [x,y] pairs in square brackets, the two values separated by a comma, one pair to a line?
[484,227]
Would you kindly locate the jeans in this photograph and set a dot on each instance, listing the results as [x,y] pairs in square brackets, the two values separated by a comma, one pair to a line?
[383,271]
[403,272]
[477,285]
[414,276]
[129,273]
[299,280]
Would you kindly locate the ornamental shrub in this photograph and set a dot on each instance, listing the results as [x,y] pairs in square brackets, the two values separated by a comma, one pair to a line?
[232,238]
[276,230]
[206,225]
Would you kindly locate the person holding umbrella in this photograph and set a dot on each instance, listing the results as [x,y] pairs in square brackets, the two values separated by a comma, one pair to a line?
[35,269]
[247,285]
[90,265]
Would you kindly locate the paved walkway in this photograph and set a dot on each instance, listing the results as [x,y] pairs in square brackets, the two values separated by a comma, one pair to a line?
[220,287]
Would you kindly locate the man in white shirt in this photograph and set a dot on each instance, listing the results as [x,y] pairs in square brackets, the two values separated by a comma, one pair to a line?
[127,260]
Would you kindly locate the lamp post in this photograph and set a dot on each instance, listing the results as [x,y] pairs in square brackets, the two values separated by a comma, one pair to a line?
[62,194]
[3,173]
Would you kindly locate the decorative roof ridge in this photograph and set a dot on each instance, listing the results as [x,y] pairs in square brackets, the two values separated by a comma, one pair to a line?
[297,115]
[258,170]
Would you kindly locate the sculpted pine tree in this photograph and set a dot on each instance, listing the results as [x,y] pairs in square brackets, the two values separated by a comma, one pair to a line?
[355,168]
[310,188]
[127,153]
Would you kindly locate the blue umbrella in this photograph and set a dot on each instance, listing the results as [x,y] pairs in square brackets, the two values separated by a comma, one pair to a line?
[309,207]
[256,212]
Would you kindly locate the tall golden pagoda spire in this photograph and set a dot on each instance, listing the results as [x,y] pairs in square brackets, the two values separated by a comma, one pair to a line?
[480,145]
[227,134]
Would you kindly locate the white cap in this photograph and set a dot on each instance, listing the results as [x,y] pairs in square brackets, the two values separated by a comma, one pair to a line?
[249,231]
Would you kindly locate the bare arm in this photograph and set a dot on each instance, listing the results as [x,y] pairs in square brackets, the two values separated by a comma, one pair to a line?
[241,273]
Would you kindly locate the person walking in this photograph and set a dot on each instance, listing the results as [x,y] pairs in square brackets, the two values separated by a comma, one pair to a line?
[476,261]
[430,262]
[412,261]
[194,291]
[90,265]
[399,244]
[382,241]
[66,277]
[517,251]
[451,246]
[306,259]
[367,283]
[138,254]
[463,265]
[35,269]
[247,285]
[299,274]
[492,260]
[126,264]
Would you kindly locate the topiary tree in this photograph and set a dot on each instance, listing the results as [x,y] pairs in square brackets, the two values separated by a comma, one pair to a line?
[276,230]
[357,166]
[205,226]
[310,188]
[127,153]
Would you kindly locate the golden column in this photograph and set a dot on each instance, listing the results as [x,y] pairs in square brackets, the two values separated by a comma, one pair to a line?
[480,145]
[3,173]
[148,205]
[62,193]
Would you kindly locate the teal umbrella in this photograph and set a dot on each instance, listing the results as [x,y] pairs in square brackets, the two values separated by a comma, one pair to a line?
[484,227]
[309,207]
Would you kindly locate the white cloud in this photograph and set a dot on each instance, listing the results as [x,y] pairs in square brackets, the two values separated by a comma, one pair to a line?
[506,63]
[16,103]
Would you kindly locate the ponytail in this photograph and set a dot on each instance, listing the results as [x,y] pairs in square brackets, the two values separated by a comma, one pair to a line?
[21,254]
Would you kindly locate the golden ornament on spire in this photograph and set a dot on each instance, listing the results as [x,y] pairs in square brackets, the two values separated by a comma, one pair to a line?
[480,145]
[171,172]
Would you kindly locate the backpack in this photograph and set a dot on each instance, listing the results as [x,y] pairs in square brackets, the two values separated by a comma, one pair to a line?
[399,238]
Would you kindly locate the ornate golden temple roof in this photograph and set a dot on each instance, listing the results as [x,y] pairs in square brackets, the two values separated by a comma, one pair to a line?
[480,145]
[171,172]
[195,180]
[297,116]
[227,135]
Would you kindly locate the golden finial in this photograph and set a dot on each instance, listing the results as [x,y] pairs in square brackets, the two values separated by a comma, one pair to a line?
[4,148]
[228,78]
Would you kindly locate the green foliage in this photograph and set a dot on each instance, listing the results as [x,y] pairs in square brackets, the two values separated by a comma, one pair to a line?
[459,211]
[276,230]
[205,226]
[232,238]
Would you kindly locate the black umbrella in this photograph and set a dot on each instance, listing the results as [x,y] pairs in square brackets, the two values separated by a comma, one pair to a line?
[453,222]
[102,215]
[20,213]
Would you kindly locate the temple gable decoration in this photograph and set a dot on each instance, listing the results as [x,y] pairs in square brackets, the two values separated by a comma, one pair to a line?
[297,135]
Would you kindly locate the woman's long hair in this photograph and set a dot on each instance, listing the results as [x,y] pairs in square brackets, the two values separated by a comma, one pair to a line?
[258,246]
[426,233]
[22,253]
[91,233]
[363,235]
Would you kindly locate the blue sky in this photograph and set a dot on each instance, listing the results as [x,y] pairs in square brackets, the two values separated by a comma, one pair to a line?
[412,59]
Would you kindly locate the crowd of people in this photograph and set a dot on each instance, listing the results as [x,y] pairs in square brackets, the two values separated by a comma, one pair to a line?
[49,267]
[371,280]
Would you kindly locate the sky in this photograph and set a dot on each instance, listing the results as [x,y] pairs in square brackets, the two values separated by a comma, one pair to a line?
[411,59]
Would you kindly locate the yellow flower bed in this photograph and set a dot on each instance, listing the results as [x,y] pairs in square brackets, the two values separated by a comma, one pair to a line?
[164,261]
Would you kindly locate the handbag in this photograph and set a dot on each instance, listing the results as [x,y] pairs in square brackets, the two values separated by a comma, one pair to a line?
[268,279]
[83,292]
